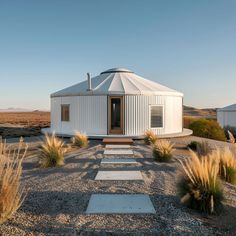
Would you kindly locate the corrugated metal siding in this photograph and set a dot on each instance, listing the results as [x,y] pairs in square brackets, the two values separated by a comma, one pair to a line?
[88,114]
[137,114]
[220,118]
[226,118]
[56,114]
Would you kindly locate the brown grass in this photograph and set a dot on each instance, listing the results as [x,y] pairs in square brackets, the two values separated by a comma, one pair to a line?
[150,137]
[227,165]
[231,137]
[36,118]
[52,152]
[80,140]
[200,187]
[11,191]
[162,150]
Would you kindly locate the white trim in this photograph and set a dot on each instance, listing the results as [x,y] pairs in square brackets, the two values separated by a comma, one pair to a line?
[163,116]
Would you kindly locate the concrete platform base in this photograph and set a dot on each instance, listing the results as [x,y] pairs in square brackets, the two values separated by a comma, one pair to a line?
[120,204]
[185,132]
[119,175]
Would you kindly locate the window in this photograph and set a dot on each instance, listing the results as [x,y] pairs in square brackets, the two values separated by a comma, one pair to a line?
[65,112]
[156,116]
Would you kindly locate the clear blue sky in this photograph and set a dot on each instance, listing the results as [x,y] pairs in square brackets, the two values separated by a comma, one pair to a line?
[187,45]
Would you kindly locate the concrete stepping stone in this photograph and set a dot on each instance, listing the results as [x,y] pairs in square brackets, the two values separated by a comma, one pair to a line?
[119,175]
[120,204]
[110,146]
[118,152]
[118,161]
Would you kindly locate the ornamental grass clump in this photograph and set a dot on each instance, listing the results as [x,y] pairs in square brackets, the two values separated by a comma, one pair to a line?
[203,148]
[150,137]
[80,140]
[200,187]
[162,150]
[52,152]
[12,193]
[227,169]
[231,137]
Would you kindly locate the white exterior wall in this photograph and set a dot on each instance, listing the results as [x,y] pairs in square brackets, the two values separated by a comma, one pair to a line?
[88,114]
[226,118]
[137,114]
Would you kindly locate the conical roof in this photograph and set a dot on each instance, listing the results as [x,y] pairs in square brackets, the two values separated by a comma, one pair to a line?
[228,108]
[117,81]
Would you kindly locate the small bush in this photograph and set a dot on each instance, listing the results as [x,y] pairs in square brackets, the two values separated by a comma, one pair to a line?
[80,140]
[52,152]
[207,129]
[227,165]
[162,150]
[193,145]
[11,191]
[203,148]
[188,120]
[200,187]
[150,137]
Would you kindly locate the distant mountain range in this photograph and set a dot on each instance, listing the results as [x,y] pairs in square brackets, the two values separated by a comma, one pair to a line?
[206,112]
[12,109]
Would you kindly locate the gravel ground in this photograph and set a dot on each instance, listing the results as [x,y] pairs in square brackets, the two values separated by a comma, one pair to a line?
[57,198]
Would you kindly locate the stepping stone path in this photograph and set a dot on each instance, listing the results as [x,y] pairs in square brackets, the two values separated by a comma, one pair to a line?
[119,175]
[118,161]
[119,203]
[118,152]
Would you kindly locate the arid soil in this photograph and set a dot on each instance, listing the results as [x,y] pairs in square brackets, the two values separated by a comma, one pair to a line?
[57,197]
[17,124]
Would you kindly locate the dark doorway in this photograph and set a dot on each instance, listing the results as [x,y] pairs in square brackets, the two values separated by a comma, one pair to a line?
[116,115]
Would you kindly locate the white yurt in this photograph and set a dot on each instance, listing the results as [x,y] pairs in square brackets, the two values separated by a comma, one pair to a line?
[226,116]
[117,103]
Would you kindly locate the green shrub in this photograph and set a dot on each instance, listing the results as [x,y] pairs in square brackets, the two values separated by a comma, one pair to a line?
[80,140]
[199,187]
[52,152]
[193,145]
[227,165]
[162,150]
[207,129]
[188,120]
[150,137]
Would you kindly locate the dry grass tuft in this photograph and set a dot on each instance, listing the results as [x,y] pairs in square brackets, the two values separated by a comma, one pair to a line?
[162,150]
[200,187]
[150,137]
[11,191]
[80,140]
[203,148]
[52,152]
[231,137]
[227,169]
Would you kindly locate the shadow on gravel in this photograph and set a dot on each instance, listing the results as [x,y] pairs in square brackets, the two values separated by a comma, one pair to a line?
[55,202]
[53,228]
